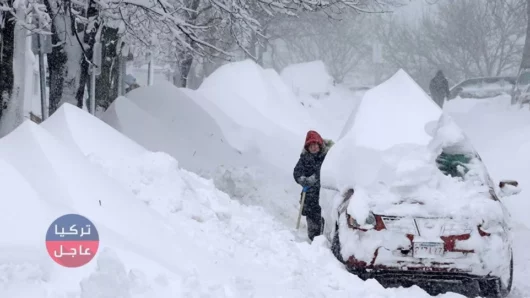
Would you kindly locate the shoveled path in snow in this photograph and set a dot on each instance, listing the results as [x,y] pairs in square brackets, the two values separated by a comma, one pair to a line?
[501,135]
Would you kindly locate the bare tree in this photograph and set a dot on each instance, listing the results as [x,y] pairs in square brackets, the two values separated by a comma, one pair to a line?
[340,41]
[525,62]
[464,38]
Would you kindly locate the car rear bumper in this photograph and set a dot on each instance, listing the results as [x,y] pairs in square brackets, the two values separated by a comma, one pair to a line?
[433,280]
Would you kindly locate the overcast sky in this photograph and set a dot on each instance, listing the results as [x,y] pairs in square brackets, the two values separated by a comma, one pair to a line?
[413,9]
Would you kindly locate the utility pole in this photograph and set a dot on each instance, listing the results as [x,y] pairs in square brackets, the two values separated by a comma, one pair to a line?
[150,75]
[42,76]
[95,71]
[41,46]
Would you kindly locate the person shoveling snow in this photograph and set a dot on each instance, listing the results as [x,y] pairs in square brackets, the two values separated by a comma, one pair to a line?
[307,174]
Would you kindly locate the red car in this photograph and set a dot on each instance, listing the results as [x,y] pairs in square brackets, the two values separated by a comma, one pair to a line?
[414,203]
[437,267]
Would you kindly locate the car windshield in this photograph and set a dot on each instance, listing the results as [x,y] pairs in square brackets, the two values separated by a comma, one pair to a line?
[454,164]
[462,162]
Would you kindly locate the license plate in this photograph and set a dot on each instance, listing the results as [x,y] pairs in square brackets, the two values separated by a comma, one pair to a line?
[428,249]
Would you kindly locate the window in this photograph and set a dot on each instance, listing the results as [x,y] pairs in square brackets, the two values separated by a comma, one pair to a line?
[465,165]
[454,164]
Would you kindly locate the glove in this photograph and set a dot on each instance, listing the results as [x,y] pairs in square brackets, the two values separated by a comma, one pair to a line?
[311,180]
[304,189]
[302,180]
[307,181]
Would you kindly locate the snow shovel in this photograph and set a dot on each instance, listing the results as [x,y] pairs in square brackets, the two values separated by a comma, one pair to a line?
[301,207]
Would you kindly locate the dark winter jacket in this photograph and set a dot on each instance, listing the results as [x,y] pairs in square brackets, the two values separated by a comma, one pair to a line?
[308,165]
[439,88]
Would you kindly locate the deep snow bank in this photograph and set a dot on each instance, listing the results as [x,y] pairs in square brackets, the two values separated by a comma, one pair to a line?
[240,137]
[162,118]
[260,105]
[255,176]
[255,98]
[327,104]
[60,180]
[239,175]
[164,232]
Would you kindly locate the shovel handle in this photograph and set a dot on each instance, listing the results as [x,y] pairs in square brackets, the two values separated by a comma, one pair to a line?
[300,212]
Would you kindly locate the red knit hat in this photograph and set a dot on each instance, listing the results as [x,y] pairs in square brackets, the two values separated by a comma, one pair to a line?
[313,137]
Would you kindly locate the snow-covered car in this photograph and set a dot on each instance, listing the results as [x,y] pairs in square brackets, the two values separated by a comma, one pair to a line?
[480,88]
[415,204]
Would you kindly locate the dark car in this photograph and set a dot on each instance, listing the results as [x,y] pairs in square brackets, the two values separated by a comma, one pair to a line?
[483,87]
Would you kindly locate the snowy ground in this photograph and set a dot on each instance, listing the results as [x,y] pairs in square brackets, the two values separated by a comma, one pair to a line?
[168,232]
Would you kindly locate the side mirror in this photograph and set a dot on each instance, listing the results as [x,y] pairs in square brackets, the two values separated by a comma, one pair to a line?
[509,188]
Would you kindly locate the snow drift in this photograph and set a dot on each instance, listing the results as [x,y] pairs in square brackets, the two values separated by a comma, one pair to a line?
[255,98]
[66,182]
[327,104]
[255,176]
[164,232]
[265,117]
[309,78]
[162,118]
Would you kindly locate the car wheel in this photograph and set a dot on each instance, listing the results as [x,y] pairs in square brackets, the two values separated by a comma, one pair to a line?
[508,288]
[335,244]
[496,288]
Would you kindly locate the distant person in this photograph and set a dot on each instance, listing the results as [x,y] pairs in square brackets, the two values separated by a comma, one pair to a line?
[439,88]
[307,174]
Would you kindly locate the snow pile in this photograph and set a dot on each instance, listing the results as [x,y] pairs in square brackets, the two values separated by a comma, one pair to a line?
[253,106]
[327,104]
[309,78]
[58,180]
[394,112]
[255,98]
[239,175]
[240,137]
[162,118]
[256,176]
[164,231]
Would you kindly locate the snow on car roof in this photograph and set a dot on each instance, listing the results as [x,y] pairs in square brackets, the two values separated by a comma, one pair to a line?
[400,150]
[394,112]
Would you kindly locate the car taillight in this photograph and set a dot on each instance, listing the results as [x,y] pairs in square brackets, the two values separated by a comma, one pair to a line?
[491,227]
[369,223]
[482,232]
